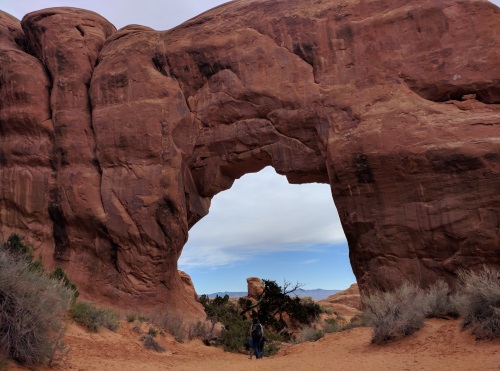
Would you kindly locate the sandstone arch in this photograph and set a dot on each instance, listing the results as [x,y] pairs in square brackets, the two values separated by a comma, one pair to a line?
[113,142]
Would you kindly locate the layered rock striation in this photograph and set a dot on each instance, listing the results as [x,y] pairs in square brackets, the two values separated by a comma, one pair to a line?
[114,142]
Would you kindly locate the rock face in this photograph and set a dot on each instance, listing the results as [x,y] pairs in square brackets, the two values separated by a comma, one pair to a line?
[114,142]
[255,287]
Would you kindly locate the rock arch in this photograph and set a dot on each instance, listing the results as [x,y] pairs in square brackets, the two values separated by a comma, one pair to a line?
[113,142]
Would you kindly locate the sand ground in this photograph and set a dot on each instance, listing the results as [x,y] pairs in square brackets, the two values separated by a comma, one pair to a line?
[439,345]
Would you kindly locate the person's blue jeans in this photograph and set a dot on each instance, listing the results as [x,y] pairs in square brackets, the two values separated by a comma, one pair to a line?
[258,348]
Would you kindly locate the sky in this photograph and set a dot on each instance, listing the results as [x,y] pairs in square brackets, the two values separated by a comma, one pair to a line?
[262,226]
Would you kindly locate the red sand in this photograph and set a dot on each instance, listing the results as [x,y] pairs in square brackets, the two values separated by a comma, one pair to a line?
[440,345]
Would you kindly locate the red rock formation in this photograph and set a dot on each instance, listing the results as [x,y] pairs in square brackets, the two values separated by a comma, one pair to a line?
[255,287]
[114,142]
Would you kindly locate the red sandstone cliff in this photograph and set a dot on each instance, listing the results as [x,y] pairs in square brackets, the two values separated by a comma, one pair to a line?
[114,142]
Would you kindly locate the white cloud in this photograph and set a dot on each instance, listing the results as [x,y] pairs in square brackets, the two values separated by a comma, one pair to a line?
[260,214]
[160,15]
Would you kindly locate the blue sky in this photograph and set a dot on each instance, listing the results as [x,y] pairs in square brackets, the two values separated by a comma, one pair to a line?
[267,228]
[262,226]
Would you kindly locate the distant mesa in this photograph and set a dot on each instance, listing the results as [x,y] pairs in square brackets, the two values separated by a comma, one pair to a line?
[113,143]
[316,294]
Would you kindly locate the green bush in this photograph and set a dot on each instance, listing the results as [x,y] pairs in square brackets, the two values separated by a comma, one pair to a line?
[235,335]
[93,317]
[396,313]
[480,302]
[16,247]
[32,307]
[60,275]
[331,326]
[275,304]
[21,250]
[272,343]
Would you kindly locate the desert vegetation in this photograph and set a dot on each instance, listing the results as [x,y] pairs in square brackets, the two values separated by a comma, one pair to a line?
[402,311]
[285,317]
[479,302]
[93,317]
[32,306]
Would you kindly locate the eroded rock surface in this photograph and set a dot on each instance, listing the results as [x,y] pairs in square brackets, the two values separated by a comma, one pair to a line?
[255,287]
[114,142]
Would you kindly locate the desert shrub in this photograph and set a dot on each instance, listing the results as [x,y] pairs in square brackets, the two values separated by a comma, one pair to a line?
[275,304]
[151,344]
[234,336]
[480,303]
[272,343]
[438,301]
[309,333]
[152,331]
[18,249]
[137,329]
[326,310]
[131,317]
[92,317]
[271,348]
[200,330]
[60,275]
[219,309]
[331,326]
[32,307]
[396,313]
[360,320]
[173,324]
[3,361]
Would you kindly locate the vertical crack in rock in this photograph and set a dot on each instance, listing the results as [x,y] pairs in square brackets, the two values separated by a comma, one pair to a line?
[60,234]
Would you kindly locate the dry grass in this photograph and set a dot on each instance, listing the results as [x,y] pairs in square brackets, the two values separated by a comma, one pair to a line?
[479,303]
[309,333]
[402,312]
[32,310]
[396,313]
[173,324]
[439,302]
[92,317]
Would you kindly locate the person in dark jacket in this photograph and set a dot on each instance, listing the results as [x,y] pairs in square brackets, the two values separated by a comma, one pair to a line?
[256,339]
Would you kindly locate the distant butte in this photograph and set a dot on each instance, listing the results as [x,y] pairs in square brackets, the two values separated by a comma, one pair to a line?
[114,142]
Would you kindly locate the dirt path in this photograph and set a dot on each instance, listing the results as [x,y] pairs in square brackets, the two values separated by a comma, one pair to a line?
[438,346]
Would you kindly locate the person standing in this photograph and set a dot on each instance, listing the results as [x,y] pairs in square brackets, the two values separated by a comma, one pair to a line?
[257,339]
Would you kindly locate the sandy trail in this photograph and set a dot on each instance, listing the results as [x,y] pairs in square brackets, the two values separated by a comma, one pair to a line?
[440,345]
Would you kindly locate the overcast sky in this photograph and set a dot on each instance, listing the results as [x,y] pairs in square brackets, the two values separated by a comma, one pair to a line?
[262,226]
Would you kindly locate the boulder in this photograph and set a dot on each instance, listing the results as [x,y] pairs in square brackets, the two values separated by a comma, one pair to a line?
[255,287]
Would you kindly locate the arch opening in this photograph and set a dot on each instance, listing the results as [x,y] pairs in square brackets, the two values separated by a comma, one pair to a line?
[265,227]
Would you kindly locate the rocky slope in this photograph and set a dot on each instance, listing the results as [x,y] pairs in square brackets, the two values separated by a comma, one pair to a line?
[114,142]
